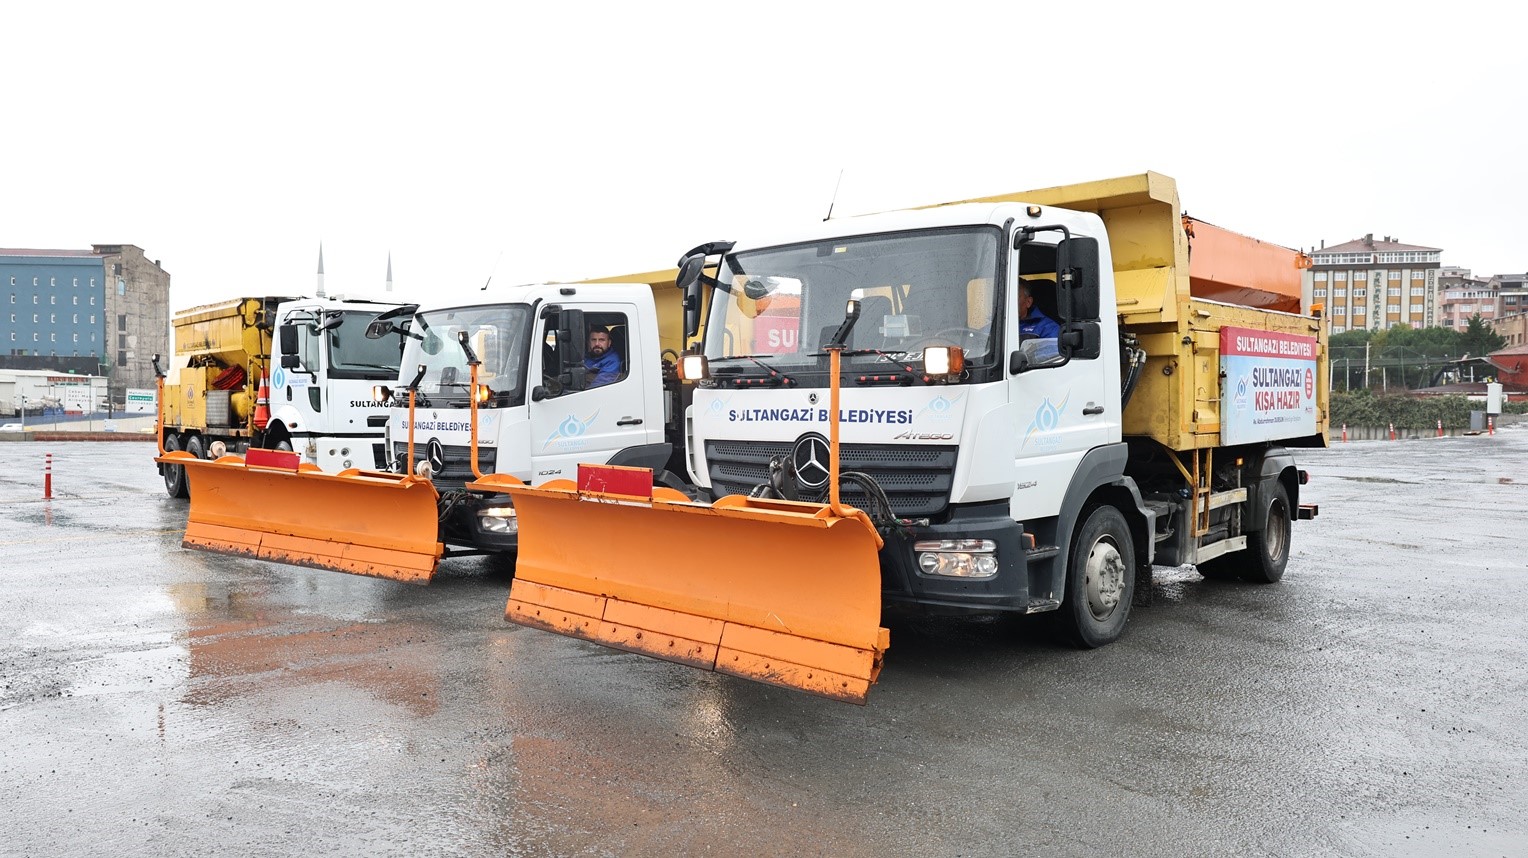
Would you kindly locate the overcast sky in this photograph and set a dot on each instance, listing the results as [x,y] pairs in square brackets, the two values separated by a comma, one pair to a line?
[551,141]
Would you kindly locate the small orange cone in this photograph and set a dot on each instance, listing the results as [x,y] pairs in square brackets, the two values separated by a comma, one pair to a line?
[263,403]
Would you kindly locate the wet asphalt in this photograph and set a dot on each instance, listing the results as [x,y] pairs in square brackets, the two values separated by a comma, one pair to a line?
[161,701]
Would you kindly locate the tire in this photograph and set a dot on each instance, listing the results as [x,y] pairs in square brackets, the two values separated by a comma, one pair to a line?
[285,444]
[1100,580]
[1267,551]
[196,446]
[175,475]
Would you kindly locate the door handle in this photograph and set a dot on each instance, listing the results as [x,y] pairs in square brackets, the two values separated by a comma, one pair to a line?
[629,421]
[1093,409]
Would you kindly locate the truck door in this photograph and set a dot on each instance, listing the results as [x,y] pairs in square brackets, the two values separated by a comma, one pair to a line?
[589,420]
[297,391]
[1063,409]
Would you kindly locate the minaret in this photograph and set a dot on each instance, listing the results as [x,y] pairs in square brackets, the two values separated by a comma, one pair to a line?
[389,271]
[320,292]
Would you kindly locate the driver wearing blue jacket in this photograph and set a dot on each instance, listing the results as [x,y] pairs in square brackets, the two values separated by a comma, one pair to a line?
[601,362]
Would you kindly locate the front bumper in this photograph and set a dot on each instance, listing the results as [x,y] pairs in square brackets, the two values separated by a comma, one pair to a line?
[903,582]
[462,523]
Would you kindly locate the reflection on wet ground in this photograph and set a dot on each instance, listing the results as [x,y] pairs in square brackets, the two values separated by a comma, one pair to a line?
[164,701]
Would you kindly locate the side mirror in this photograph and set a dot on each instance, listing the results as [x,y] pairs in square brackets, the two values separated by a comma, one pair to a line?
[378,329]
[570,337]
[691,311]
[286,336]
[291,361]
[689,271]
[1080,340]
[539,393]
[1018,362]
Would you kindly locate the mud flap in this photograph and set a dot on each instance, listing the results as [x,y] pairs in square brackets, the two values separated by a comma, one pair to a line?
[272,507]
[780,592]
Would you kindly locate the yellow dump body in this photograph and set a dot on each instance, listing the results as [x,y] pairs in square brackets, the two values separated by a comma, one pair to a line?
[213,342]
[669,301]
[1173,278]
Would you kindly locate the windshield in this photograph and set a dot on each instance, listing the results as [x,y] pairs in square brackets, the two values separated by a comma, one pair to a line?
[915,289]
[497,334]
[352,355]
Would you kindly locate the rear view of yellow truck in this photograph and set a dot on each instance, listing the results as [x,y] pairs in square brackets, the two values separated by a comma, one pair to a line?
[1030,399]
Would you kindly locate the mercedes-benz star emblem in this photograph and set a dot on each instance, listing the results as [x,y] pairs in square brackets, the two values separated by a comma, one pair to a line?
[811,398]
[437,454]
[811,457]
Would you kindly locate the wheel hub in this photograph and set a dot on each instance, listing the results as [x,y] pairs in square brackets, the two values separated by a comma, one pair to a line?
[1105,578]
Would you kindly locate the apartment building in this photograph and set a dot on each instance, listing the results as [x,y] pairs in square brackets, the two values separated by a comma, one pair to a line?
[1376,284]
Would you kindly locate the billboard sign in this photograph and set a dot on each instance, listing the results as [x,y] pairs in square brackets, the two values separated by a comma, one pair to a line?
[1268,385]
[140,401]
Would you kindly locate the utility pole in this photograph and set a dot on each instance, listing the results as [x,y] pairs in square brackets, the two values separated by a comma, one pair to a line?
[1366,365]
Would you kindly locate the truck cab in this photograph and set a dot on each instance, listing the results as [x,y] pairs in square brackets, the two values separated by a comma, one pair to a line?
[540,412]
[322,371]
[968,426]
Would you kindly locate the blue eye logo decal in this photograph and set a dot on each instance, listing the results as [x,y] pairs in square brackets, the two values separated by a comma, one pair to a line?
[570,431]
[940,408]
[1047,418]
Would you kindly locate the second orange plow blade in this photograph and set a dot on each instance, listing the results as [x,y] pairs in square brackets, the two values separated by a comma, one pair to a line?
[781,592]
[362,522]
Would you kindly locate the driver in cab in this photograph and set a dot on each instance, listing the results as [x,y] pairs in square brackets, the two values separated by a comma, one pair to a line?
[601,362]
[1032,322]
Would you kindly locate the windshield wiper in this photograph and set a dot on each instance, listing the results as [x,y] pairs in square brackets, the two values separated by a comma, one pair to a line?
[775,375]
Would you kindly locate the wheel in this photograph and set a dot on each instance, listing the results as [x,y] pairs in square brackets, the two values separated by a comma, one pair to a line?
[285,444]
[174,475]
[196,446]
[1100,580]
[1268,549]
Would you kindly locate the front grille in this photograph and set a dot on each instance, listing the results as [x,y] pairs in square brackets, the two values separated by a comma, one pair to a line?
[458,469]
[916,480]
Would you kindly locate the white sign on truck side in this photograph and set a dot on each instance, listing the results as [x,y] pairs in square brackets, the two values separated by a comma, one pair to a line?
[1270,385]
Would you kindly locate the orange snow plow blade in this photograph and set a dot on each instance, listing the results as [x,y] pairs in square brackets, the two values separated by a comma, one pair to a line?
[782,592]
[271,507]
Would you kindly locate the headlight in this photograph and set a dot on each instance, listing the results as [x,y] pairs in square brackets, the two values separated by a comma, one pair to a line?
[498,519]
[957,558]
[943,360]
[694,368]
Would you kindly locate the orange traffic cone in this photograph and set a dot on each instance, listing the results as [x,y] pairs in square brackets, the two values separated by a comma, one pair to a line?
[263,403]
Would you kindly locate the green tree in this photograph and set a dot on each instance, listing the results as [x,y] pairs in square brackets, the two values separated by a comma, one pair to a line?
[1398,358]
[1479,340]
